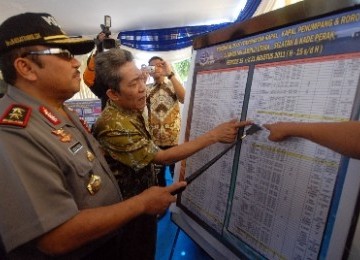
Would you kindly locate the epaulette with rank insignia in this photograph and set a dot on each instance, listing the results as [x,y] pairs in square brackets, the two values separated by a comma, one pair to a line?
[16,115]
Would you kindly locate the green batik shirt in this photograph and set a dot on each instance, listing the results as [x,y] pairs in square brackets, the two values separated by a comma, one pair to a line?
[128,147]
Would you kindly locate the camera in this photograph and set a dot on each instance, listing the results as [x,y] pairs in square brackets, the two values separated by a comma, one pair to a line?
[148,69]
[106,26]
[107,43]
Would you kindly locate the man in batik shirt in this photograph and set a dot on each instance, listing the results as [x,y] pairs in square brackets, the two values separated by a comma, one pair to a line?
[163,101]
[121,130]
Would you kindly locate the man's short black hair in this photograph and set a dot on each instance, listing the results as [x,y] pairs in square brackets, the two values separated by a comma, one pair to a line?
[155,58]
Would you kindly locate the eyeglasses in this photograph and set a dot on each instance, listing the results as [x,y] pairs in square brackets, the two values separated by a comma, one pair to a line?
[63,53]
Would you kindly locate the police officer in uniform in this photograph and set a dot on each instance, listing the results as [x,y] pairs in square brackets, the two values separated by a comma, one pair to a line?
[58,197]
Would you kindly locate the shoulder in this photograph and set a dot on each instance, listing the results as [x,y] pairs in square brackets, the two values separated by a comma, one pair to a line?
[112,119]
[151,88]
[17,115]
[169,86]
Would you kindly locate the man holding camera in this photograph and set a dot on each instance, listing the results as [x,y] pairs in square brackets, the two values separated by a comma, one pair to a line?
[103,43]
[163,101]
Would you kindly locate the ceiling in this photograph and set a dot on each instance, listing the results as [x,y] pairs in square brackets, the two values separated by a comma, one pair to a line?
[83,17]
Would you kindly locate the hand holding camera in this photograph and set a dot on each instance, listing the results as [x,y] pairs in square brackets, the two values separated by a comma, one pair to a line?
[101,36]
[148,69]
[167,70]
[163,68]
[102,41]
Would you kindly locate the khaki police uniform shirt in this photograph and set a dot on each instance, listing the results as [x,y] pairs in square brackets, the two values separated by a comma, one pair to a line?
[48,163]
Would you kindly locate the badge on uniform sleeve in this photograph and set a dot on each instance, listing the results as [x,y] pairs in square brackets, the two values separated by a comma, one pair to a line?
[17,115]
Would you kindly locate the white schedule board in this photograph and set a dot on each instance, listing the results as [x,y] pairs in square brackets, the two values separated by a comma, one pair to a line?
[263,199]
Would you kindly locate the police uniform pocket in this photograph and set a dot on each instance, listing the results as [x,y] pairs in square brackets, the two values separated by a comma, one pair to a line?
[85,181]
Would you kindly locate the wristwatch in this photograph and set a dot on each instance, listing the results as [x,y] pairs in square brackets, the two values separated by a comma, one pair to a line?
[170,75]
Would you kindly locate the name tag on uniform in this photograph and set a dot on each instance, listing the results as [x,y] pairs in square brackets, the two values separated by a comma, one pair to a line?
[76,147]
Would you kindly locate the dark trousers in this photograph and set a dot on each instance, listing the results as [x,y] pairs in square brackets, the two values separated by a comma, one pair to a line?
[139,239]
[161,170]
[2,250]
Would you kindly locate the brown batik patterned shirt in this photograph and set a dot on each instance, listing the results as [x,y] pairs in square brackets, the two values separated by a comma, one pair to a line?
[163,113]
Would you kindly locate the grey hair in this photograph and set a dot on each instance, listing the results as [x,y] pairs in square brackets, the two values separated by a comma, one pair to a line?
[107,65]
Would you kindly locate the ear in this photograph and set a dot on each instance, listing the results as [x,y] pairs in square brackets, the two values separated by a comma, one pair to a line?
[113,95]
[25,69]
